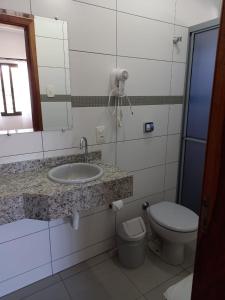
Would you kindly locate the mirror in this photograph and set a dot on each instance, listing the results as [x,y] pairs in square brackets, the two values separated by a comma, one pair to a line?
[54,72]
[34,81]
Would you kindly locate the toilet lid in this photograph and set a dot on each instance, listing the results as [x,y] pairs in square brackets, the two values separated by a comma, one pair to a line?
[174,216]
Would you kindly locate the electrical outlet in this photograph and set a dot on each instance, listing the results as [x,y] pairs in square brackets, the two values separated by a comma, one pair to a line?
[100,134]
[50,90]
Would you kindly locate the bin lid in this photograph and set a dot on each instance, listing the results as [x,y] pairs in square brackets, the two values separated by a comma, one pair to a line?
[132,230]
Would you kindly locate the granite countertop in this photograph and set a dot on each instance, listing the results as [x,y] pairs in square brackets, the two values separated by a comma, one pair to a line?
[27,193]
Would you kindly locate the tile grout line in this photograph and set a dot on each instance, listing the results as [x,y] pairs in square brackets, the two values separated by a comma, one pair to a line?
[128,13]
[50,275]
[26,272]
[90,246]
[42,144]
[39,290]
[30,6]
[116,127]
[79,272]
[123,56]
[151,167]
[169,109]
[50,246]
[66,289]
[130,280]
[23,236]
[164,282]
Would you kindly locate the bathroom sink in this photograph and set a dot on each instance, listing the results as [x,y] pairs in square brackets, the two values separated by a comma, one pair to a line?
[75,173]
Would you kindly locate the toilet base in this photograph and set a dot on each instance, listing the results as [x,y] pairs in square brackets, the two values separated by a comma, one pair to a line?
[171,253]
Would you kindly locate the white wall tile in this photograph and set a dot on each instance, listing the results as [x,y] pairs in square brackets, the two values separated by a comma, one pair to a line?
[21,6]
[132,127]
[175,118]
[85,121]
[140,154]
[170,195]
[192,12]
[65,30]
[104,3]
[171,176]
[52,76]
[47,27]
[51,8]
[22,143]
[62,152]
[173,148]
[80,256]
[68,87]
[134,209]
[54,115]
[65,240]
[22,157]
[69,116]
[92,28]
[25,279]
[178,79]
[148,182]
[180,50]
[146,77]
[58,222]
[20,228]
[90,73]
[50,52]
[66,54]
[108,152]
[140,37]
[24,254]
[163,10]
[56,140]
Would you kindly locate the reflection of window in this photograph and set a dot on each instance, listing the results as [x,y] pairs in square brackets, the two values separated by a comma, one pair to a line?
[20,107]
[7,76]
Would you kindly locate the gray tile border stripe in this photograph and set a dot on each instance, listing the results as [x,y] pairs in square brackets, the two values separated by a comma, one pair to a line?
[57,98]
[102,101]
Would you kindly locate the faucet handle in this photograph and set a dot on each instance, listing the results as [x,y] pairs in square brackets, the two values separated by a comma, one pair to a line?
[83,142]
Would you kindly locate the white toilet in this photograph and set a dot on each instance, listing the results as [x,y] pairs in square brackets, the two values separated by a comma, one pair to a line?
[174,225]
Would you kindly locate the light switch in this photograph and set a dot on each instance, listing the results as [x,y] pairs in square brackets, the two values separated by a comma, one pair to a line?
[50,90]
[149,127]
[100,134]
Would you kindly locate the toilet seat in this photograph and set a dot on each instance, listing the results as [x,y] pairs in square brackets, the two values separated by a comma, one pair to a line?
[174,217]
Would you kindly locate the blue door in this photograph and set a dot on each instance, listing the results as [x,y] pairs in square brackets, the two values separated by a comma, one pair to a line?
[198,110]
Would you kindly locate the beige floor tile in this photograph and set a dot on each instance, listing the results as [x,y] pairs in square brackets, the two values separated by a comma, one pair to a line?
[104,281]
[157,293]
[151,274]
[56,292]
[33,288]
[84,265]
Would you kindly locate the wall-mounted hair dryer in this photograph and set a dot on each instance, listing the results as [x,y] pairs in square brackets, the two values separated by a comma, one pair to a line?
[118,79]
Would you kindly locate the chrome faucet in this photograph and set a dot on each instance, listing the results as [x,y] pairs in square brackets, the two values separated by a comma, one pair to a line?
[84,145]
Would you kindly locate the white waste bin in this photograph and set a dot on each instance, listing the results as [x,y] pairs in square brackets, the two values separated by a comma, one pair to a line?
[131,242]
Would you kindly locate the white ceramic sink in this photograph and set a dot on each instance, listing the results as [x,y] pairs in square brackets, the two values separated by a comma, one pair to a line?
[75,173]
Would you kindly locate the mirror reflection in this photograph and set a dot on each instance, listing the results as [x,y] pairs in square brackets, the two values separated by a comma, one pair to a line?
[54,72]
[34,85]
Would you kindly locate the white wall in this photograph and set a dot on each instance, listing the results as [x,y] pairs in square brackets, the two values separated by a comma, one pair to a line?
[138,37]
